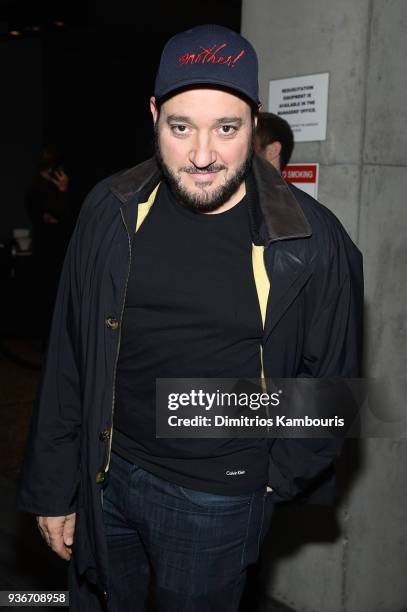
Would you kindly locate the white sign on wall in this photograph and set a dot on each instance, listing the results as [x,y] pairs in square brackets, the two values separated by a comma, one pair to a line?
[303,103]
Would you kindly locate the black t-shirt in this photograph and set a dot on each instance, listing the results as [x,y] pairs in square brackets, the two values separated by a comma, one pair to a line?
[191,311]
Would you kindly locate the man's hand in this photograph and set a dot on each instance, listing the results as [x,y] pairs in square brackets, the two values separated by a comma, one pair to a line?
[268,489]
[60,179]
[58,532]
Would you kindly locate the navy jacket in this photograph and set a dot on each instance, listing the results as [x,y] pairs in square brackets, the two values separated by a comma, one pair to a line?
[313,327]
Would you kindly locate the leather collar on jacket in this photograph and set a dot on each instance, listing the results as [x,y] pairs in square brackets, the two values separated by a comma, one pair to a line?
[274,211]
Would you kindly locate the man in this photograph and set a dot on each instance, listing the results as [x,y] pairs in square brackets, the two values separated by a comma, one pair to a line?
[274,140]
[168,275]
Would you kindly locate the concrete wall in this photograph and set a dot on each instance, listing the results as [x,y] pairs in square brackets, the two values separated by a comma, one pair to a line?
[354,559]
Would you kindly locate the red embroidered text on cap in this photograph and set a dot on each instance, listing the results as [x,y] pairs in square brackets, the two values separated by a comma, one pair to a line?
[211,55]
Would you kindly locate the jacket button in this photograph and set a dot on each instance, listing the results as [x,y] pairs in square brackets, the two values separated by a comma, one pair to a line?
[104,435]
[112,322]
[100,477]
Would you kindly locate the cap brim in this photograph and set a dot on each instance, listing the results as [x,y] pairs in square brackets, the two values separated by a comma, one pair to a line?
[180,86]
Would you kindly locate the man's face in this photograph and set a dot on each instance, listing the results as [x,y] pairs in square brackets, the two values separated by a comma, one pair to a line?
[204,144]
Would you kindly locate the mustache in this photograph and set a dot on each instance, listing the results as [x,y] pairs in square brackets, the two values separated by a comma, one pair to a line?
[193,170]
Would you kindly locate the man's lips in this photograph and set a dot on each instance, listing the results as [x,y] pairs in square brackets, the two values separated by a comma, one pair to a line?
[203,176]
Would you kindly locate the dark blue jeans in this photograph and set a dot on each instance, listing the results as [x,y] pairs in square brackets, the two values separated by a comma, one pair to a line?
[196,546]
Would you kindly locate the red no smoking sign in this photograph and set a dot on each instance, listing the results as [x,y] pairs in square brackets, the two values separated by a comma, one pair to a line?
[304,176]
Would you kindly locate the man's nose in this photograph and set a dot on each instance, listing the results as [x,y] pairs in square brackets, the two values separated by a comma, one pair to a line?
[202,154]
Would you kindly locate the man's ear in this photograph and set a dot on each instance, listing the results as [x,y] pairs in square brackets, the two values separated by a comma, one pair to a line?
[272,151]
[154,109]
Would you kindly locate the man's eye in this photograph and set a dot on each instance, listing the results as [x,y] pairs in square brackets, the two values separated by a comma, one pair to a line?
[179,129]
[227,130]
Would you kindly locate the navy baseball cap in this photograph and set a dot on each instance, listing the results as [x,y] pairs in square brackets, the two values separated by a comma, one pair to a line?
[208,55]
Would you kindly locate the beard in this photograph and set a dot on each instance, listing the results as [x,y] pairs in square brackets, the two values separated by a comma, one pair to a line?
[204,202]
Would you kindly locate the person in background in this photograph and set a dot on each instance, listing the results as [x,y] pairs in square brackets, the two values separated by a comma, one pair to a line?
[49,209]
[274,140]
